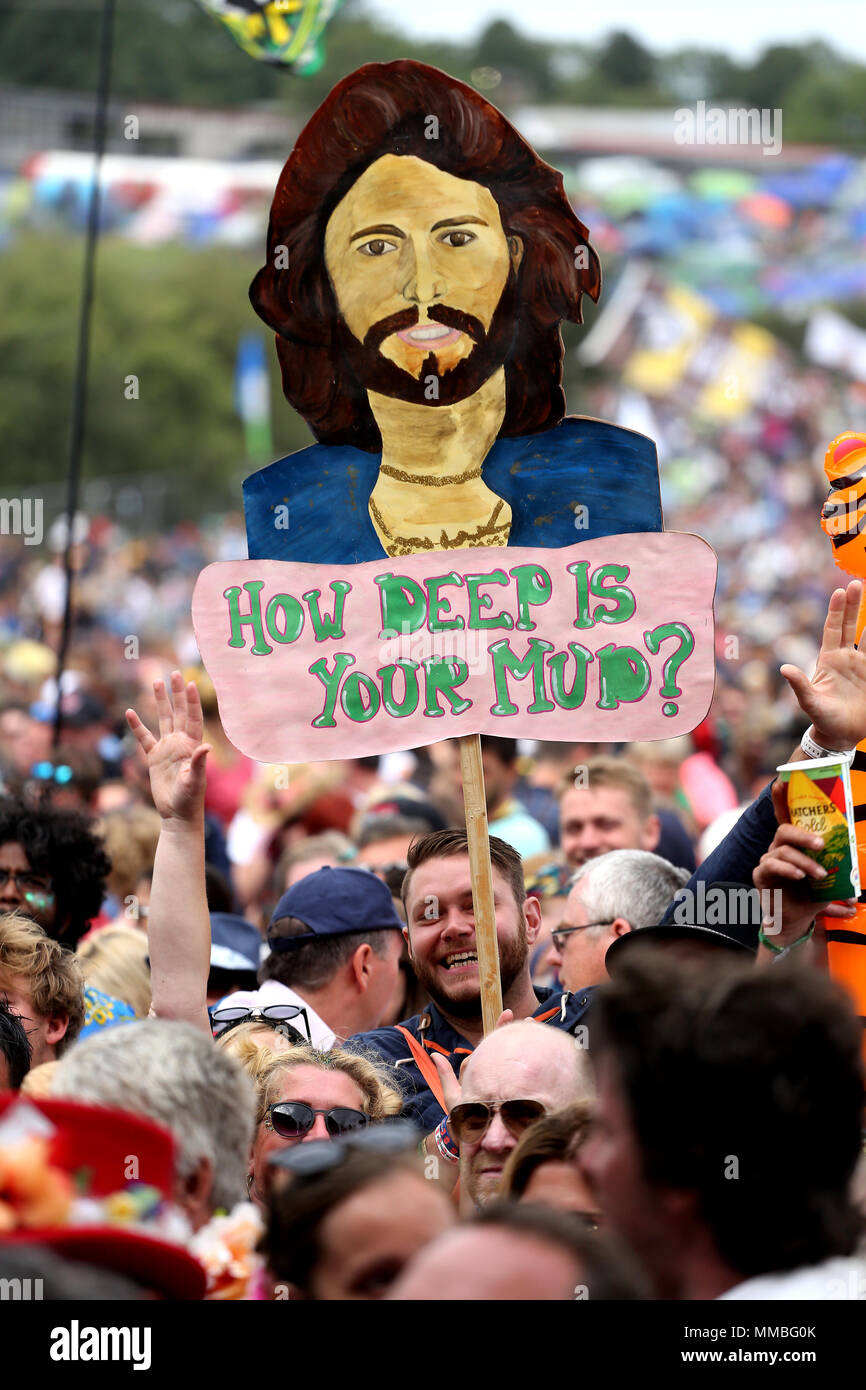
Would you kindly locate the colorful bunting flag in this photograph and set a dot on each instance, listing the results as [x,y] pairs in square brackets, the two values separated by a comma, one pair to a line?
[288,33]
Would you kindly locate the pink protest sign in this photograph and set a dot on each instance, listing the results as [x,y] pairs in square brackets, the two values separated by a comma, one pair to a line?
[607,640]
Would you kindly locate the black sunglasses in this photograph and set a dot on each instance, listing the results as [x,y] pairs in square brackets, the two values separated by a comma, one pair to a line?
[470,1121]
[292,1119]
[321,1155]
[229,1017]
[392,875]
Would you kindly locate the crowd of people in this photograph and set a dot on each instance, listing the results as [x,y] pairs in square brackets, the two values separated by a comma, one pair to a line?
[241,1043]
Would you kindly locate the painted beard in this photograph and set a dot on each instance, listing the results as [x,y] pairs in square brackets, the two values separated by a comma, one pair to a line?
[377,373]
[512,959]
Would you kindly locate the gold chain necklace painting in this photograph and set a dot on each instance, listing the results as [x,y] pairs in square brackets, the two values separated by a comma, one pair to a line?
[421,258]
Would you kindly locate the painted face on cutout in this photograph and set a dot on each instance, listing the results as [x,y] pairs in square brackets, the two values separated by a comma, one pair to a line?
[424,277]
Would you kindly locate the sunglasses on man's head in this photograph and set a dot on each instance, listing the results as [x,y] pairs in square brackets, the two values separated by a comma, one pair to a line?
[231,1015]
[392,875]
[292,1119]
[470,1121]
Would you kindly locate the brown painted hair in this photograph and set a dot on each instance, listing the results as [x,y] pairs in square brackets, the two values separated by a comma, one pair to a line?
[390,108]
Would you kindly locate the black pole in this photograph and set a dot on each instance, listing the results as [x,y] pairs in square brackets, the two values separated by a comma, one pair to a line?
[79,398]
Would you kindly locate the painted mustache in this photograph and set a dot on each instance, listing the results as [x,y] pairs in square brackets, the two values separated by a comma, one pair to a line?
[437,313]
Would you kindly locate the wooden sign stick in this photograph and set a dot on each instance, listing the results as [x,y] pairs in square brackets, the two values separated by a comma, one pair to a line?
[475,807]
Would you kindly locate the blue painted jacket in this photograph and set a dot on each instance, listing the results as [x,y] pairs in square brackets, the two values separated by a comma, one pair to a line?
[609,471]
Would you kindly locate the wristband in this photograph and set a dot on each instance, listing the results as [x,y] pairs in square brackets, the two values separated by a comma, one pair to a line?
[779,950]
[814,750]
[444,1143]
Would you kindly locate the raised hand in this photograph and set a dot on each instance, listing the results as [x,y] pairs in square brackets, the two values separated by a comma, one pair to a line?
[451,1089]
[835,698]
[175,760]
[450,1084]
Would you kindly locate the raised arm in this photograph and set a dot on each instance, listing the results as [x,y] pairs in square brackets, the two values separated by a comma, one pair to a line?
[835,700]
[178,930]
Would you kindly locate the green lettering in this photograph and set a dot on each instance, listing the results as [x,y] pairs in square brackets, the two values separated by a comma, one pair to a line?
[403,604]
[293,615]
[254,617]
[331,681]
[505,660]
[326,626]
[573,698]
[580,570]
[623,676]
[478,601]
[670,670]
[443,674]
[534,587]
[623,597]
[353,702]
[409,703]
[435,602]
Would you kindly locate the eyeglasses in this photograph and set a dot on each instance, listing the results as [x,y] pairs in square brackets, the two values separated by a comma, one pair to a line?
[558,936]
[60,773]
[470,1121]
[231,1016]
[322,1155]
[292,1119]
[392,875]
[28,882]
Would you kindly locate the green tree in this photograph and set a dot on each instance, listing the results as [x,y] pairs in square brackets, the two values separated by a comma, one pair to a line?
[625,62]
[777,69]
[163,51]
[522,62]
[170,317]
[827,107]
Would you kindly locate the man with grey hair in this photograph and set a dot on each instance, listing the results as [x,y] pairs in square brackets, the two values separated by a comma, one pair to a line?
[611,895]
[172,1073]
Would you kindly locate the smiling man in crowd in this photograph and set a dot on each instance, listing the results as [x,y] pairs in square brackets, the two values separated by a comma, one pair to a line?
[609,806]
[440,932]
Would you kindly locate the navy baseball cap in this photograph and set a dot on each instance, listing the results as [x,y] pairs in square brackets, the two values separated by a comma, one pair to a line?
[333,902]
[235,943]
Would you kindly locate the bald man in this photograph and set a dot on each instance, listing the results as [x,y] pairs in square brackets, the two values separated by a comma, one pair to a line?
[520,1062]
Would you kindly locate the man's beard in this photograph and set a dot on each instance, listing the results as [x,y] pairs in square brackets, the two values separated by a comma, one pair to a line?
[512,960]
[380,374]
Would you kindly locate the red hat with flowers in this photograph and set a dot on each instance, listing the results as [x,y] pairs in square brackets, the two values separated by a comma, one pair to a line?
[95,1184]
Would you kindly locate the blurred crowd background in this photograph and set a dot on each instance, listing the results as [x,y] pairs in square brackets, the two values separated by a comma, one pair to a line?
[731,328]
